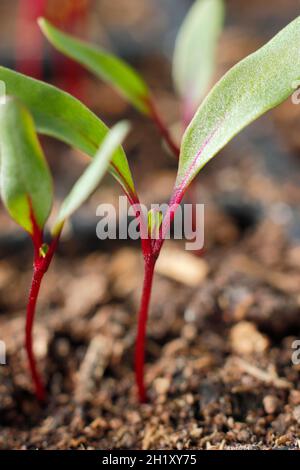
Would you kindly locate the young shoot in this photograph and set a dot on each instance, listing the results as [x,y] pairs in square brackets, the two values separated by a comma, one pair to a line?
[27,192]
[252,87]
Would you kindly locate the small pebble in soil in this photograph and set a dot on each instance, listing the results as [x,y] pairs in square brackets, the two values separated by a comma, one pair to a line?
[271,404]
[246,339]
[162,386]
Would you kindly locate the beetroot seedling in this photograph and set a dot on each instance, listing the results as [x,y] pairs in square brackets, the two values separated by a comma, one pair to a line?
[255,85]
[26,190]
[252,87]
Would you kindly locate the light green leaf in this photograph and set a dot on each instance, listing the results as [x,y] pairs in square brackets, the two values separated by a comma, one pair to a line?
[252,87]
[155,218]
[26,183]
[62,116]
[90,179]
[102,63]
[195,51]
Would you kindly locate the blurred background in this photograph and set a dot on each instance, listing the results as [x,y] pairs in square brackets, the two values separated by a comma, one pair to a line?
[245,284]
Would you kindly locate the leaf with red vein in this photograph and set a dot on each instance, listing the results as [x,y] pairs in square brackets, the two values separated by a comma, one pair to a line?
[251,88]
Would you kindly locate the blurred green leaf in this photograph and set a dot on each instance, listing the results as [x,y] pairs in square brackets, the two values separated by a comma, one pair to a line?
[26,183]
[102,63]
[62,116]
[195,50]
[90,179]
[252,87]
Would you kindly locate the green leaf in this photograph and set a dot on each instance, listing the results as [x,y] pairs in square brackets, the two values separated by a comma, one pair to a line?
[62,116]
[252,87]
[90,179]
[26,183]
[155,218]
[195,51]
[102,63]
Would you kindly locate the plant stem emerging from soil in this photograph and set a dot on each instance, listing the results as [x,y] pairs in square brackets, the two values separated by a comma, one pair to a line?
[142,325]
[151,253]
[43,255]
[33,295]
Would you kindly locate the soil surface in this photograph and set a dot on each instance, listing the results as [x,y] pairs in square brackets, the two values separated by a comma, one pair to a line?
[220,369]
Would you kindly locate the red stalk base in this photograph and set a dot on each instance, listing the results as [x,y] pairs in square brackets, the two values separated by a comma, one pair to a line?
[151,249]
[42,260]
[142,325]
[33,295]
[40,267]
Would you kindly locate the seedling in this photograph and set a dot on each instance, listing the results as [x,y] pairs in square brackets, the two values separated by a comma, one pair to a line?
[26,189]
[255,85]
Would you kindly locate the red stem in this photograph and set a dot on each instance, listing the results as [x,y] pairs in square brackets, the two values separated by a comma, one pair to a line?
[163,128]
[33,295]
[40,266]
[150,256]
[142,325]
[168,219]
